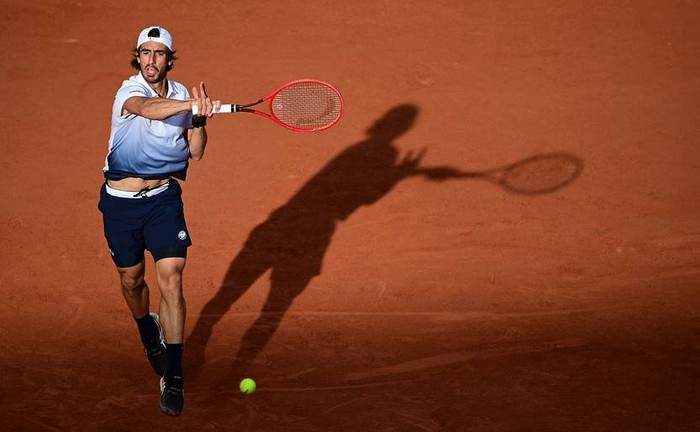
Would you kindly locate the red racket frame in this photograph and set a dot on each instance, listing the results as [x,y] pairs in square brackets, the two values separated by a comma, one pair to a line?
[232,108]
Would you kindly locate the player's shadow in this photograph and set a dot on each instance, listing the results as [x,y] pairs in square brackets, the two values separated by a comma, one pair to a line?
[292,242]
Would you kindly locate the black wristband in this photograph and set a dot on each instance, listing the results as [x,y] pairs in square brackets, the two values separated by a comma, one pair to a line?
[199,121]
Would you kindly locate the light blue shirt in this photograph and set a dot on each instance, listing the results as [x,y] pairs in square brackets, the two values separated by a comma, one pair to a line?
[139,147]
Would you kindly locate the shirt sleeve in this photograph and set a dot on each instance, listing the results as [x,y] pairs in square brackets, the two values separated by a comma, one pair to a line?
[128,89]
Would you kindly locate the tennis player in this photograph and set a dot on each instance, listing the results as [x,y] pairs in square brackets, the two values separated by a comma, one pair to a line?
[153,137]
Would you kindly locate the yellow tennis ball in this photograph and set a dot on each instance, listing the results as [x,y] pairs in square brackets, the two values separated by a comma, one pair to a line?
[247,386]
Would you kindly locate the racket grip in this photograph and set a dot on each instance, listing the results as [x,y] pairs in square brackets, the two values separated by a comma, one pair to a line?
[225,108]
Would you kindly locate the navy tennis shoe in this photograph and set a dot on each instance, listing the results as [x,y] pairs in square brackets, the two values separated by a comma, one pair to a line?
[155,350]
[172,395]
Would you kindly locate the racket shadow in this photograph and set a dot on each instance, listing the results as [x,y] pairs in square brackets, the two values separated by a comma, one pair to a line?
[292,242]
[536,175]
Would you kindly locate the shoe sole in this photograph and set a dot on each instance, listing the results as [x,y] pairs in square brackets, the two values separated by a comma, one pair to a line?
[168,411]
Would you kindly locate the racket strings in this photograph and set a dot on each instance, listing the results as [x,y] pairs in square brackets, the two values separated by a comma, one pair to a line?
[307,105]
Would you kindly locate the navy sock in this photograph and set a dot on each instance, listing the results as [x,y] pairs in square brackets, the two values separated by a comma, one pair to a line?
[174,353]
[148,329]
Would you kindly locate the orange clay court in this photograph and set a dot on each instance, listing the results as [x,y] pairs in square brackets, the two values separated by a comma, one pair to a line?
[500,234]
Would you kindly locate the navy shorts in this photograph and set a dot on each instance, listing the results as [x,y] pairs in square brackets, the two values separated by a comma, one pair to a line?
[156,223]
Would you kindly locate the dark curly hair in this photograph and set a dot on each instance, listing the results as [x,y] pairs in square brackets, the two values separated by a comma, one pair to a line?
[170,54]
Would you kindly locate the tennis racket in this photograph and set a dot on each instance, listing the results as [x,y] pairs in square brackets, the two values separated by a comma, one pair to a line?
[303,106]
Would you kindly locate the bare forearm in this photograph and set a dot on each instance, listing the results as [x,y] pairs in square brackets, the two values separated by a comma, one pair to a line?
[198,142]
[156,108]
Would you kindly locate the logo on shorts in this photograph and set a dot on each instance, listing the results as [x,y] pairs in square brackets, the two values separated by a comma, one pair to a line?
[182,235]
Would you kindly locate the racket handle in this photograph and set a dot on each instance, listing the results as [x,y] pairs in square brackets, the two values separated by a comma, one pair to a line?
[225,108]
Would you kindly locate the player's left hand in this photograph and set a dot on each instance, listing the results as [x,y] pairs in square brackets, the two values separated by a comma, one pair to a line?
[205,106]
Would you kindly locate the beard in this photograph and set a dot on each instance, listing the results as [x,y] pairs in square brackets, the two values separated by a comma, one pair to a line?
[152,74]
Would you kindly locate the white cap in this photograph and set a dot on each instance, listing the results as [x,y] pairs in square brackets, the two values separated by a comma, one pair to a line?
[155,34]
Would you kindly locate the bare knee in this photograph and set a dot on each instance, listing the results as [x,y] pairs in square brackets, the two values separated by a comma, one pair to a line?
[132,286]
[170,278]
[132,281]
[170,285]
